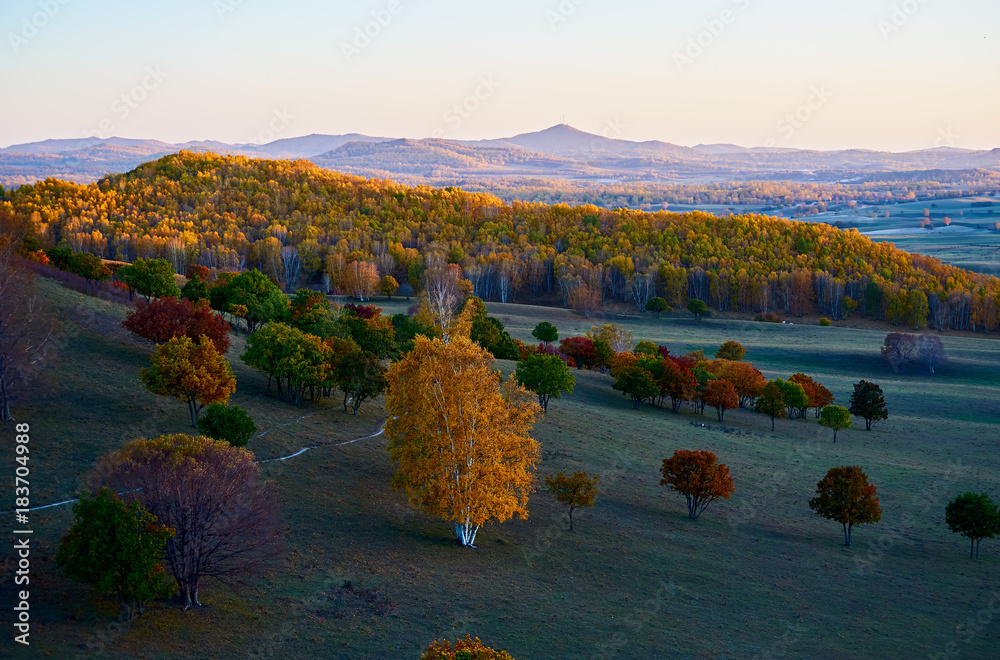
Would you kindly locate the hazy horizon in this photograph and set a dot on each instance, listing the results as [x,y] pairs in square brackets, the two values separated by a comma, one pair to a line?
[885,76]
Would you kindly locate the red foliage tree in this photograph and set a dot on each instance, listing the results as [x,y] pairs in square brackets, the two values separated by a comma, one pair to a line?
[162,319]
[364,311]
[581,349]
[721,395]
[678,381]
[203,272]
[697,476]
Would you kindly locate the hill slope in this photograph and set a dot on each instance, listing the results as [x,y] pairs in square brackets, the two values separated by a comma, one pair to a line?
[232,211]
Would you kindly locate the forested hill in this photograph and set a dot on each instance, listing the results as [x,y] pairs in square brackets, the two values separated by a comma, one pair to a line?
[296,221]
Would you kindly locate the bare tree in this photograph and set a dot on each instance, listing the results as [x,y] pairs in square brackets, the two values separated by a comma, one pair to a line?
[643,287]
[24,330]
[931,351]
[441,294]
[292,262]
[224,515]
[898,349]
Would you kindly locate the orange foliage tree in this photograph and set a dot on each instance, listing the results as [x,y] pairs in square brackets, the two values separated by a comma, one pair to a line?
[697,476]
[747,380]
[195,373]
[845,495]
[721,395]
[459,439]
[818,396]
[361,280]
[575,492]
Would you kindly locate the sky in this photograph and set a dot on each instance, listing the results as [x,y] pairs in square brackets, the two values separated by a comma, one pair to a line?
[889,75]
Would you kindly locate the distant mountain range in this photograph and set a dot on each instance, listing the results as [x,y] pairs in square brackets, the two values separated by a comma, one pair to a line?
[560,152]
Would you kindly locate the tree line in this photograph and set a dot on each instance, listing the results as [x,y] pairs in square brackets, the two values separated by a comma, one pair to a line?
[300,224]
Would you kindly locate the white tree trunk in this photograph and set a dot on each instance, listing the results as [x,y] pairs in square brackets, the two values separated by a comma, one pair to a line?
[466,533]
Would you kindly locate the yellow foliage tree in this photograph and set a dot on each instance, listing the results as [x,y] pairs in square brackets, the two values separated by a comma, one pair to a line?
[195,373]
[361,279]
[459,439]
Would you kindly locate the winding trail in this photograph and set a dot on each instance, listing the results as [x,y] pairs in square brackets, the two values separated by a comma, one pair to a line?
[380,431]
[377,433]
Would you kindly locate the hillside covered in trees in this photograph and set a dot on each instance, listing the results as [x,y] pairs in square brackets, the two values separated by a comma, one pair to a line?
[305,225]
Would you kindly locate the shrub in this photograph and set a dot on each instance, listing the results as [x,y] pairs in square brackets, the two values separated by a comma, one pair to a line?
[825,322]
[768,317]
[229,423]
[464,649]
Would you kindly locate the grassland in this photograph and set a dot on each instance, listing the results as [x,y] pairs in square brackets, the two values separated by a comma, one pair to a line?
[757,575]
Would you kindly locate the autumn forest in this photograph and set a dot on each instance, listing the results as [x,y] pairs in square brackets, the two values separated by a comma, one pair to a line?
[306,226]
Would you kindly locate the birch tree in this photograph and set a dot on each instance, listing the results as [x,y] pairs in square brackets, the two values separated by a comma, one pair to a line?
[458,437]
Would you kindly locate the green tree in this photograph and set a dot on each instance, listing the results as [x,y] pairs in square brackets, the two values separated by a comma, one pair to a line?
[360,376]
[117,547]
[229,423]
[646,347]
[59,256]
[794,395]
[407,329]
[974,516]
[218,293]
[312,313]
[575,492]
[263,299]
[375,334]
[836,418]
[296,361]
[731,350]
[90,267]
[771,402]
[195,289]
[545,375]
[658,305]
[488,332]
[546,333]
[845,495]
[868,403]
[637,383]
[150,278]
[388,286]
[698,308]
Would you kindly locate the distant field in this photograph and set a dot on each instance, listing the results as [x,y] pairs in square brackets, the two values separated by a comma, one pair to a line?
[970,242]
[757,576]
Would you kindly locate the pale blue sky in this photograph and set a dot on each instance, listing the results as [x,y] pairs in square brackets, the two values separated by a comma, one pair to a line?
[927,75]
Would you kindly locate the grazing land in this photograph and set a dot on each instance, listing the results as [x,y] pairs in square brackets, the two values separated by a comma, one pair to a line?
[365,576]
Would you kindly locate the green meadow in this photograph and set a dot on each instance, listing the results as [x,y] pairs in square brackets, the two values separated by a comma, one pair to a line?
[365,576]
